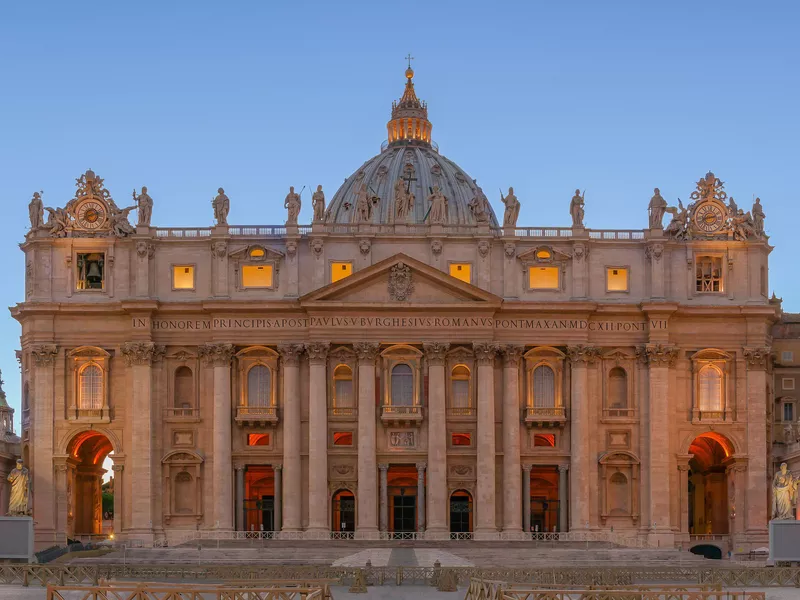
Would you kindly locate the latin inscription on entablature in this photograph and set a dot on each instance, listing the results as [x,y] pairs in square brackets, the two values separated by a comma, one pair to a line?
[464,323]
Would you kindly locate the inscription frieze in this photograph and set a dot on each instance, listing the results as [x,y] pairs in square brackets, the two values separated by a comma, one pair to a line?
[465,323]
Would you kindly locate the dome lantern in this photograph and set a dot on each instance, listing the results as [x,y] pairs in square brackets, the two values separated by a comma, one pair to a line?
[409,123]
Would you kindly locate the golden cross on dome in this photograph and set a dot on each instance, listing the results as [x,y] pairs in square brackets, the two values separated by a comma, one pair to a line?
[409,58]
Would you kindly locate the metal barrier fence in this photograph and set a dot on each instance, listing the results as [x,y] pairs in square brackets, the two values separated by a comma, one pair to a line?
[562,577]
[154,591]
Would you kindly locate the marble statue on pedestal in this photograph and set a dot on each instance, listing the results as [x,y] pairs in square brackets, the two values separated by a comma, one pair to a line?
[145,205]
[657,209]
[36,211]
[784,492]
[20,481]
[222,206]
[318,204]
[403,199]
[512,209]
[758,217]
[479,205]
[576,208]
[292,204]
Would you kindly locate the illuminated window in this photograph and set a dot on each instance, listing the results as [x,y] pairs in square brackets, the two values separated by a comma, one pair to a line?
[543,254]
[340,270]
[257,276]
[402,385]
[257,252]
[547,440]
[708,270]
[91,270]
[462,271]
[543,278]
[91,387]
[544,387]
[616,279]
[258,439]
[343,438]
[183,277]
[343,398]
[710,380]
[259,386]
[461,439]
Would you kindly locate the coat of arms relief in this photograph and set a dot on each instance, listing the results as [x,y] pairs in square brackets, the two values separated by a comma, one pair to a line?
[400,284]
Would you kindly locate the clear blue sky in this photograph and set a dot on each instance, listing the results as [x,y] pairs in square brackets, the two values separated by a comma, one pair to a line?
[183,97]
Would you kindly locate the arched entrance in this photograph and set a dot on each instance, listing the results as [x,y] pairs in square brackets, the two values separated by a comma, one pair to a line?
[708,484]
[461,513]
[259,503]
[343,512]
[87,476]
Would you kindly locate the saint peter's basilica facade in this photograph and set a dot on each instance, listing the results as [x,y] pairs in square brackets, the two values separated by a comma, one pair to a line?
[407,365]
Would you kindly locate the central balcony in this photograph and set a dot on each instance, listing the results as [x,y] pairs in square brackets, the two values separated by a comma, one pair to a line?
[544,416]
[401,415]
[257,415]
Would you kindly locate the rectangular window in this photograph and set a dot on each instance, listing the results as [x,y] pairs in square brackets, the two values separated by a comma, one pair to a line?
[616,279]
[708,271]
[461,439]
[182,277]
[258,439]
[462,271]
[343,438]
[787,356]
[543,278]
[788,412]
[91,271]
[787,383]
[340,270]
[257,276]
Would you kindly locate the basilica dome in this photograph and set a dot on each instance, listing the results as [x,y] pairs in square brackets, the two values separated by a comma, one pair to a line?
[399,181]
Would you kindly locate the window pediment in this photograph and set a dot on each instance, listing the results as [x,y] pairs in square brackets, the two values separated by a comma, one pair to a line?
[256,253]
[183,457]
[89,352]
[257,352]
[619,457]
[543,255]
[711,354]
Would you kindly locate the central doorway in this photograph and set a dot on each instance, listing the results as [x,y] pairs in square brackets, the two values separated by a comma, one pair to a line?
[343,517]
[402,492]
[544,501]
[87,486]
[259,503]
[461,514]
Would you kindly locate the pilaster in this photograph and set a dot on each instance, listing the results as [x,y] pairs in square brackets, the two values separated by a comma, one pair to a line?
[511,440]
[292,485]
[485,506]
[384,502]
[42,480]
[757,476]
[421,497]
[526,498]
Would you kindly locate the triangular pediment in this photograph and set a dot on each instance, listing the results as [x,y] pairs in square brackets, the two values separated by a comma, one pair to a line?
[401,281]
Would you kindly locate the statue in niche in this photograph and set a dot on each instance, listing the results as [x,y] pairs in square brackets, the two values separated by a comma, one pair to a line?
[20,481]
[403,199]
[222,206]
[318,204]
[363,205]
[784,492]
[576,208]
[479,206]
[292,204]
[36,211]
[512,208]
[758,217]
[438,204]
[145,205]
[657,209]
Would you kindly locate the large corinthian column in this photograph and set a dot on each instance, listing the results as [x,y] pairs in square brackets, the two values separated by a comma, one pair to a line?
[485,501]
[437,440]
[317,436]
[512,511]
[367,463]
[292,499]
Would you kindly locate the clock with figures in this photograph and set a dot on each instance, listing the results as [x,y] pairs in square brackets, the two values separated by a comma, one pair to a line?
[709,217]
[91,214]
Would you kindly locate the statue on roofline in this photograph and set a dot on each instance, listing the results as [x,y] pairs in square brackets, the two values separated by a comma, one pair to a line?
[222,206]
[576,208]
[511,214]
[318,204]
[657,209]
[36,211]
[292,204]
[144,204]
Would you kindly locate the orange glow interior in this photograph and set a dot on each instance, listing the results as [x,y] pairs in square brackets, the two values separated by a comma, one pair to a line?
[544,439]
[710,449]
[461,439]
[258,439]
[343,438]
[90,447]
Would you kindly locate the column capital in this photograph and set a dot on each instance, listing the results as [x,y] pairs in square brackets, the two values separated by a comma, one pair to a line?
[757,357]
[218,355]
[317,352]
[512,354]
[118,468]
[563,468]
[435,352]
[485,352]
[527,467]
[366,352]
[290,353]
[383,468]
[277,468]
[421,466]
[142,353]
[238,468]
[44,355]
[657,355]
[582,354]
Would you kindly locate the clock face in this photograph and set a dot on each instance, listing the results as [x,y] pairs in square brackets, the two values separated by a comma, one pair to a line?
[709,218]
[91,215]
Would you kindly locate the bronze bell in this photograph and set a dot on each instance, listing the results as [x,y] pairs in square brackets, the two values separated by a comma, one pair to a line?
[94,271]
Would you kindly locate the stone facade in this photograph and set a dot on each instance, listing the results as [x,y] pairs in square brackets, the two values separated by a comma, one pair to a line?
[372,374]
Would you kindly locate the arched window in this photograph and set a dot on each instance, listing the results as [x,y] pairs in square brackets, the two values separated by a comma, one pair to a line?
[710,388]
[184,388]
[259,386]
[544,390]
[618,495]
[459,397]
[402,385]
[91,387]
[617,388]
[343,400]
[184,493]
